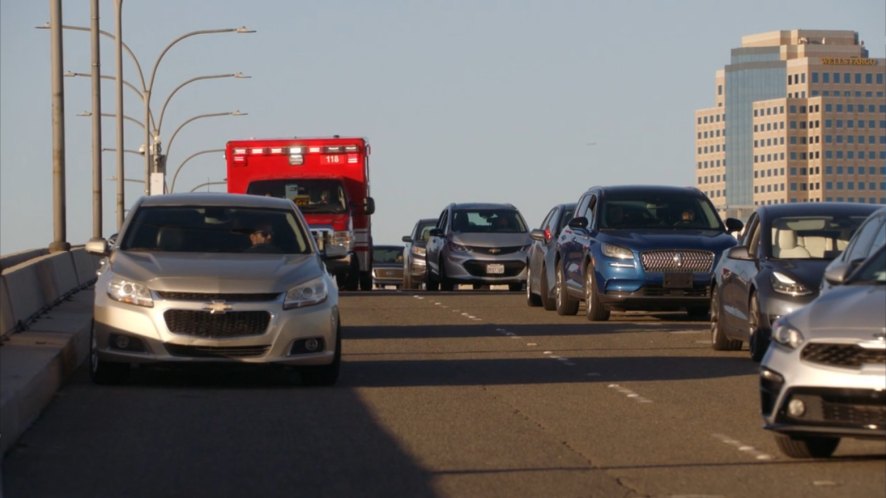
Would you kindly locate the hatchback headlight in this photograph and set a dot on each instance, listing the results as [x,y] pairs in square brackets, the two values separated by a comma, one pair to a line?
[617,252]
[127,291]
[784,284]
[306,294]
[457,247]
[787,335]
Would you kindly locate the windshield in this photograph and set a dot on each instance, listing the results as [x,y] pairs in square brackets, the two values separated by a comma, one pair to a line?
[488,220]
[387,254]
[311,196]
[812,237]
[215,229]
[670,211]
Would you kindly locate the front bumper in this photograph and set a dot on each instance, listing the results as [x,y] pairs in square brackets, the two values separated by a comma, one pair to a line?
[654,291]
[798,396]
[471,269]
[134,334]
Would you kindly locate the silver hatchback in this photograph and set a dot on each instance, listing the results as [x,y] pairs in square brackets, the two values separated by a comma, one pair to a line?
[214,278]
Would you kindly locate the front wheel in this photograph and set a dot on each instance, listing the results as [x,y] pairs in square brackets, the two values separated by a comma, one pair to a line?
[596,311]
[807,447]
[758,335]
[566,305]
[104,372]
[719,341]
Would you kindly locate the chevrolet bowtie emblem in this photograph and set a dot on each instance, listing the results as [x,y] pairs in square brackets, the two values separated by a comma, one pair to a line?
[494,250]
[217,307]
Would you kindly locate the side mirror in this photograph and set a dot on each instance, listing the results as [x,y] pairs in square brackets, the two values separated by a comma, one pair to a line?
[580,222]
[99,247]
[435,232]
[738,252]
[407,238]
[734,225]
[836,273]
[537,234]
[369,205]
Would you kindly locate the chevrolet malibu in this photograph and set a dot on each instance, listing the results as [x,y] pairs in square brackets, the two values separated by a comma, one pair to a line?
[214,278]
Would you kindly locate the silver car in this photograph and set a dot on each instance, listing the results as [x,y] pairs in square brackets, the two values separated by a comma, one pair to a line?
[214,278]
[824,376]
[480,244]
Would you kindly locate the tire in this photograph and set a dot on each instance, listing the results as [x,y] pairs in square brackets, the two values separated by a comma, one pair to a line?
[565,304]
[445,283]
[104,372]
[596,311]
[719,341]
[807,447]
[546,301]
[365,280]
[431,283]
[758,336]
[324,375]
[407,280]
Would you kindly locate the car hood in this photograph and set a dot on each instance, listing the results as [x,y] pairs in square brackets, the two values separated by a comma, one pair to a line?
[848,311]
[491,239]
[668,239]
[808,272]
[216,273]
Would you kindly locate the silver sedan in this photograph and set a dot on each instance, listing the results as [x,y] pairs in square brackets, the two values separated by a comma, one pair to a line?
[824,377]
[214,278]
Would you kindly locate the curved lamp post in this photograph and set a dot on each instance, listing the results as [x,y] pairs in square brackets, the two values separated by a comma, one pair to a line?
[180,166]
[206,184]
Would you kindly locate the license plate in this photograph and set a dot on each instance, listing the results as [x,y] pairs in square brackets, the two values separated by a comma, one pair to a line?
[678,280]
[495,269]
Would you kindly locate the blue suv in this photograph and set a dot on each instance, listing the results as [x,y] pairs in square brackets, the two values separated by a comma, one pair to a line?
[637,247]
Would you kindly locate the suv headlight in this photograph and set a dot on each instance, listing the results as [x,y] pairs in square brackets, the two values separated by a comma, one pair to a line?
[127,291]
[617,252]
[312,292]
[784,284]
[787,335]
[418,251]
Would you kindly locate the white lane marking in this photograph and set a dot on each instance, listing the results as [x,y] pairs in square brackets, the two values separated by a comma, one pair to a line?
[629,393]
[744,448]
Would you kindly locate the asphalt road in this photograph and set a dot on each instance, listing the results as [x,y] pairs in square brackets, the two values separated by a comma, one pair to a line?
[464,394]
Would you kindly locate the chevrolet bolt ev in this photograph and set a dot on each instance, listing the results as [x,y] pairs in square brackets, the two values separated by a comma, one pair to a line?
[480,244]
[214,279]
[640,247]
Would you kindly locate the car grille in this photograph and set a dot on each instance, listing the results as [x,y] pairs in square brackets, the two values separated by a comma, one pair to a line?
[495,251]
[197,296]
[388,273]
[217,325]
[216,352]
[478,268]
[842,355]
[677,260]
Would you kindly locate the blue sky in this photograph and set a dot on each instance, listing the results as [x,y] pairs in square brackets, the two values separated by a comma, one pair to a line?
[527,102]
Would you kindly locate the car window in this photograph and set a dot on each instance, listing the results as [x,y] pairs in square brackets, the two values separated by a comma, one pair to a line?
[382,254]
[215,229]
[812,237]
[870,236]
[872,271]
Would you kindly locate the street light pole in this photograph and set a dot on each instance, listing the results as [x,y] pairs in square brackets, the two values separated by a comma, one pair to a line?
[59,242]
[153,163]
[119,46]
[96,126]
[180,166]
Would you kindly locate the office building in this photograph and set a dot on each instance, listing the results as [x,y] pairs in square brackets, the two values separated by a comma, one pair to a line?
[798,116]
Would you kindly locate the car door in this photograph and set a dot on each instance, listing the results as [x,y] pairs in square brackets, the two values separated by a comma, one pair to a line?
[737,275]
[436,240]
[577,240]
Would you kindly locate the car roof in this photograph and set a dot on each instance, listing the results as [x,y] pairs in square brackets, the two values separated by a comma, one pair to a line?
[481,205]
[651,189]
[216,199]
[816,208]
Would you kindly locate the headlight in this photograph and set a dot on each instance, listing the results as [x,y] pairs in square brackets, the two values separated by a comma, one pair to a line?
[617,252]
[784,284]
[787,335]
[306,294]
[457,247]
[418,251]
[127,291]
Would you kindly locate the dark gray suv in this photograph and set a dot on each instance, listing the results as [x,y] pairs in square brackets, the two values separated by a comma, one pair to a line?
[480,244]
